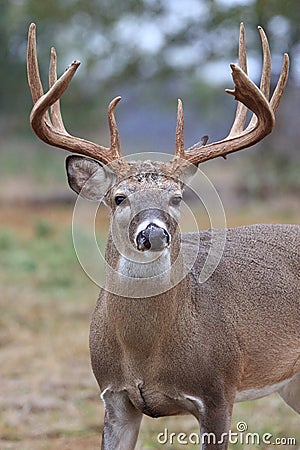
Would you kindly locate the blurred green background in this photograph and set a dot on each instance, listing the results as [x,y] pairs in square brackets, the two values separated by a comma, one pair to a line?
[150,52]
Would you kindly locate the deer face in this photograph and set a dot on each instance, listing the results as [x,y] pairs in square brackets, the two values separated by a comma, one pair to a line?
[144,200]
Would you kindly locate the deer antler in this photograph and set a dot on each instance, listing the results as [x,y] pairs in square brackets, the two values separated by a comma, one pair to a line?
[250,97]
[50,127]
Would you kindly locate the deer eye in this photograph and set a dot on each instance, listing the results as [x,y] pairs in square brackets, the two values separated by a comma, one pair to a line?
[175,201]
[119,199]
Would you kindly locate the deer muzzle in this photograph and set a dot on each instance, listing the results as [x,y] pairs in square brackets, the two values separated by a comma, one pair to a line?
[153,238]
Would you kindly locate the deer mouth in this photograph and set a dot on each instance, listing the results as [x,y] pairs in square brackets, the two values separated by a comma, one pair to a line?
[153,238]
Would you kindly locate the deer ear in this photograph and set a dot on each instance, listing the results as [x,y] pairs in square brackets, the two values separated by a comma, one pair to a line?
[88,178]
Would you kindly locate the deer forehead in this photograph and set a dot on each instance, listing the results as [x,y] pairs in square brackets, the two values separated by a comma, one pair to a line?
[142,176]
[147,183]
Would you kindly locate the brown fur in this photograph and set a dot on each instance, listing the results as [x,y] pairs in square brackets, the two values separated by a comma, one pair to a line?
[193,347]
[238,331]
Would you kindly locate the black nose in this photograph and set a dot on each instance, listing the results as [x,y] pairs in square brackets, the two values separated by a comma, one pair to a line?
[152,238]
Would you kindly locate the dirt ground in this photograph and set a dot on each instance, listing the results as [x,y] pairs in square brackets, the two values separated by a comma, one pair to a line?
[91,443]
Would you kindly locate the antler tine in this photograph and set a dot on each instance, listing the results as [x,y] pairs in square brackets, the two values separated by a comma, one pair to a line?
[242,49]
[265,79]
[251,97]
[53,131]
[241,110]
[33,73]
[56,117]
[114,133]
[280,87]
[267,65]
[179,149]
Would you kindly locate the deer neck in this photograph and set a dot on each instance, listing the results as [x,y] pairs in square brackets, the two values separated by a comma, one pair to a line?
[146,318]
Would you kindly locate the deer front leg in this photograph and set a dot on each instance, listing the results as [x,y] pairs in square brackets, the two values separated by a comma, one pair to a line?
[214,431]
[214,417]
[215,425]
[121,422]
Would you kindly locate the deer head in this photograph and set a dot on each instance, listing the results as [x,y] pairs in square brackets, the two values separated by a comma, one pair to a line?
[145,196]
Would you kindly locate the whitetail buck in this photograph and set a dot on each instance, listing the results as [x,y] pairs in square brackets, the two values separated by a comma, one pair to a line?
[160,347]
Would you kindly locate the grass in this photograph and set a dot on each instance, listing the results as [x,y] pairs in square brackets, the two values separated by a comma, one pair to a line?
[49,398]
[47,388]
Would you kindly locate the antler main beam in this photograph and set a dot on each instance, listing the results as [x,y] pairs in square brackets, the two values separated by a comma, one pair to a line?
[50,127]
[249,96]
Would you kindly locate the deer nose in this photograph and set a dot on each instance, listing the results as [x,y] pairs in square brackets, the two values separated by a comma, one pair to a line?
[153,238]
